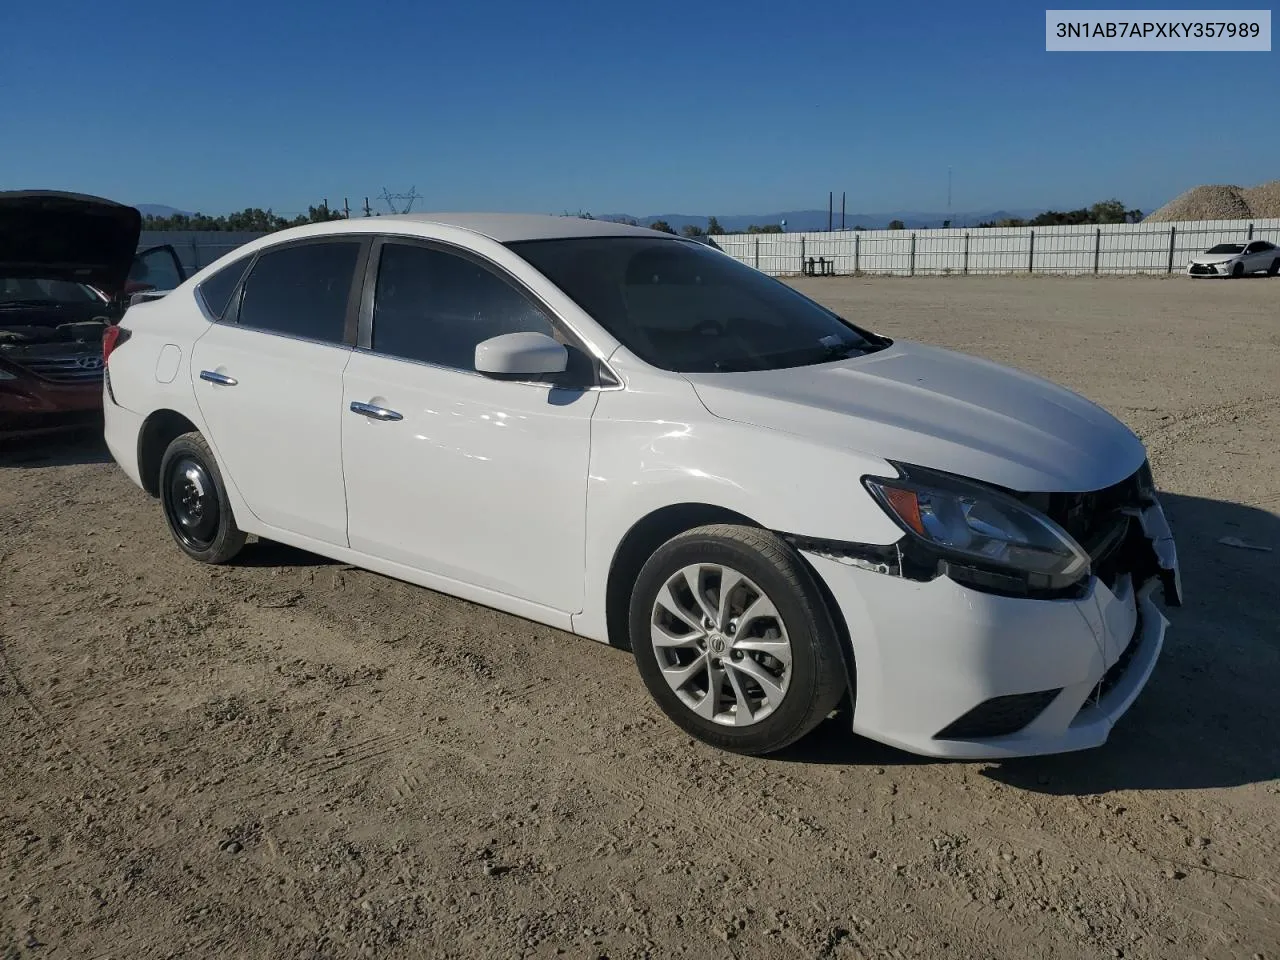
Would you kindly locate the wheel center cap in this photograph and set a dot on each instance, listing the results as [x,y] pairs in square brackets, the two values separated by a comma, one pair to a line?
[717,643]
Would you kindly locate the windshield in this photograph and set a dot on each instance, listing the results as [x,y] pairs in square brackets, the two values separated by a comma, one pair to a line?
[1227,248]
[686,307]
[23,290]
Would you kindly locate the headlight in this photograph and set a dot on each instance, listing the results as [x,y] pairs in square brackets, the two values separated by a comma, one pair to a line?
[1226,265]
[981,535]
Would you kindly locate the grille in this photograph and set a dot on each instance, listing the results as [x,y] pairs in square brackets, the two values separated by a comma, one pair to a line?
[1201,268]
[1091,516]
[998,716]
[80,368]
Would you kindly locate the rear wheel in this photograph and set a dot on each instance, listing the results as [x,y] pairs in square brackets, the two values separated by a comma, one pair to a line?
[733,639]
[195,501]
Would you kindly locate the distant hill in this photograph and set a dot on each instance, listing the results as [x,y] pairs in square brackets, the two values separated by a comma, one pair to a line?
[806,220]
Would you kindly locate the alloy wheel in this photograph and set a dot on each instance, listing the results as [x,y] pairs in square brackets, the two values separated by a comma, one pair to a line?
[721,644]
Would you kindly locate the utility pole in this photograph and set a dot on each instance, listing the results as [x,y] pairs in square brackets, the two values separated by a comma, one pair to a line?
[830,201]
[368,210]
[842,193]
[346,209]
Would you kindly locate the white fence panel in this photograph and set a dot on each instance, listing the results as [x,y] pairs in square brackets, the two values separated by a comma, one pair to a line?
[1110,249]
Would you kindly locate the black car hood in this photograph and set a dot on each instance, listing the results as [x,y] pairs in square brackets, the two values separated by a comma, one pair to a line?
[52,235]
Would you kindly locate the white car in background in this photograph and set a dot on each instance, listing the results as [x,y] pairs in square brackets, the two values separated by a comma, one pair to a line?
[1236,260]
[637,439]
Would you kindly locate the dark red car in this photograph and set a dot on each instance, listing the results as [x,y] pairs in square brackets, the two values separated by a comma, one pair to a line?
[68,263]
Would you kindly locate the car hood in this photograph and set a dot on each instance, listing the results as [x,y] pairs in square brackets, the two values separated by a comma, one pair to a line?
[934,408]
[51,235]
[1215,257]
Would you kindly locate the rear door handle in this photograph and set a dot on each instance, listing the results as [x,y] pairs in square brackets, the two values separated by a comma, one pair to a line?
[219,378]
[373,412]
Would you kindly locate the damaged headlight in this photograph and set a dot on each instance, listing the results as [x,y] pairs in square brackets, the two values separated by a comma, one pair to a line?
[979,535]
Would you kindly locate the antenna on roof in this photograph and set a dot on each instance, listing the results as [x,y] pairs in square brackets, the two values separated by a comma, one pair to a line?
[395,201]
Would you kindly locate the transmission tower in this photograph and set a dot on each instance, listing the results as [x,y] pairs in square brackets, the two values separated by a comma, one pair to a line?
[395,201]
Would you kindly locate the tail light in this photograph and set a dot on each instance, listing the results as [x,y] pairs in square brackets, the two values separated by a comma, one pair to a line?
[112,337]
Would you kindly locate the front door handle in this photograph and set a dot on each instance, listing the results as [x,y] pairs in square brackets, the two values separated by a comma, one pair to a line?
[219,378]
[373,412]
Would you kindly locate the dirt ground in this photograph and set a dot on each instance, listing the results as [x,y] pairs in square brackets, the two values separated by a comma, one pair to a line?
[290,758]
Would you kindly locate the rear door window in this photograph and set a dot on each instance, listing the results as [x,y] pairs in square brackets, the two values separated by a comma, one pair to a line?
[301,290]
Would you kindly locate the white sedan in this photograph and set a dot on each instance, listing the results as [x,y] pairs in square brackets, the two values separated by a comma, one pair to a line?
[638,439]
[1236,260]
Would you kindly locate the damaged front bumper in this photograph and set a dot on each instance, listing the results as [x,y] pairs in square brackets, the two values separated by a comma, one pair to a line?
[946,670]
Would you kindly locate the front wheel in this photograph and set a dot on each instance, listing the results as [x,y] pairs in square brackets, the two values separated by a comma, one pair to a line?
[1274,268]
[195,501]
[1238,270]
[733,639]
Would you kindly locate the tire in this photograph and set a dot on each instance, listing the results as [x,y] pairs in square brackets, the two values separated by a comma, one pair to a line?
[1274,268]
[793,621]
[195,504]
[1237,271]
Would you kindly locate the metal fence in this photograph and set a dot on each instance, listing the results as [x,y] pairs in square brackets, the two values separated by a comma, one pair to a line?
[1111,249]
[197,248]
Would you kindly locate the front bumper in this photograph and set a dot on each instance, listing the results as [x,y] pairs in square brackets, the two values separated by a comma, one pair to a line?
[1209,269]
[930,657]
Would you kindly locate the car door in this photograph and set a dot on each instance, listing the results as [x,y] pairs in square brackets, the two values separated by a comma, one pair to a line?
[449,472]
[155,268]
[1263,254]
[1253,256]
[268,380]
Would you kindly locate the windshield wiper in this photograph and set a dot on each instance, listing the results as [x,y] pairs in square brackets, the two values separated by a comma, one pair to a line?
[841,351]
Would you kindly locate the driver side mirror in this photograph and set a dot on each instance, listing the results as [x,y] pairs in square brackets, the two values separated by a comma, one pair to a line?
[521,356]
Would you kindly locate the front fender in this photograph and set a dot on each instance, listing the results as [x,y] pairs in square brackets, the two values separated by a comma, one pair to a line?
[647,454]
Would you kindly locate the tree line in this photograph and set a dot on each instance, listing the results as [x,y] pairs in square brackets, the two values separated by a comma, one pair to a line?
[251,219]
[256,220]
[1105,211]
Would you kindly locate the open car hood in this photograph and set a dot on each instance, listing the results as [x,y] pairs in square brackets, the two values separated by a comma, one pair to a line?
[52,235]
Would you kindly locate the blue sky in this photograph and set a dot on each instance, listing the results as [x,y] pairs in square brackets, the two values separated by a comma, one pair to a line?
[697,107]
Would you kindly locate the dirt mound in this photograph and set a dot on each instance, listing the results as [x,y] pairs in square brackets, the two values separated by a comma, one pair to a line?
[1264,200]
[1223,202]
[1206,202]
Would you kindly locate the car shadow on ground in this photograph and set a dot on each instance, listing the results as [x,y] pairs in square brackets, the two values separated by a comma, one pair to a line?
[79,446]
[269,553]
[1207,716]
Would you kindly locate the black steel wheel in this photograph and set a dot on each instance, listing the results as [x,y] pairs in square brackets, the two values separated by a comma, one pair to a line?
[195,502]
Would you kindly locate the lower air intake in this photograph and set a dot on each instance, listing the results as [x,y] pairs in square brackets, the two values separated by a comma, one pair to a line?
[998,716]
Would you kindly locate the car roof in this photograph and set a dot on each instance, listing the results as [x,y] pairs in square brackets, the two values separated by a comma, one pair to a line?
[511,227]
